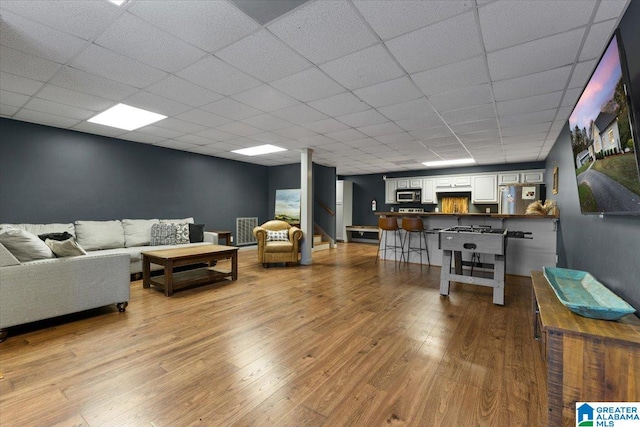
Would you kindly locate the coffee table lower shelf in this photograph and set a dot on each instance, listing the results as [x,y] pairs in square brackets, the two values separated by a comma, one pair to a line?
[192,278]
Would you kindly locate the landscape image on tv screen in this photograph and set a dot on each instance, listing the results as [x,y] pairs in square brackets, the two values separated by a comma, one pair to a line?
[602,142]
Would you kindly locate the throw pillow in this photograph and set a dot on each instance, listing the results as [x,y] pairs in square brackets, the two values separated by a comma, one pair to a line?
[56,236]
[182,233]
[196,233]
[24,245]
[278,236]
[65,248]
[163,234]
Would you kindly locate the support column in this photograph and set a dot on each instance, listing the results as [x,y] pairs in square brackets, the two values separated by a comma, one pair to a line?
[306,205]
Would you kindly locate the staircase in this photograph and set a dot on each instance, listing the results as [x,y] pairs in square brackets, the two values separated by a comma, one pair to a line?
[320,241]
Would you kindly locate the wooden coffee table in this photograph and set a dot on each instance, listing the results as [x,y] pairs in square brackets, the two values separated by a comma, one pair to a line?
[170,258]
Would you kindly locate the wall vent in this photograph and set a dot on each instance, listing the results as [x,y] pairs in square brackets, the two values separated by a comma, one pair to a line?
[244,231]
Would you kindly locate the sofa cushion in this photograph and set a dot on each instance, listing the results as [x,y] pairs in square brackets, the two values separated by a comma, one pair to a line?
[278,236]
[196,233]
[7,258]
[23,245]
[65,248]
[279,247]
[163,234]
[92,235]
[137,232]
[182,233]
[39,229]
[189,220]
[65,235]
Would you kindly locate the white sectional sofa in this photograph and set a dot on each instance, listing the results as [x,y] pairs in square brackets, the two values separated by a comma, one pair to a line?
[32,290]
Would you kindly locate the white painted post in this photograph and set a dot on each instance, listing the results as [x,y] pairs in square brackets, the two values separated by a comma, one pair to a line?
[306,205]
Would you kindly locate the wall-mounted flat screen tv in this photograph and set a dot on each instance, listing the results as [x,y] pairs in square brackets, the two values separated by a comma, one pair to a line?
[605,150]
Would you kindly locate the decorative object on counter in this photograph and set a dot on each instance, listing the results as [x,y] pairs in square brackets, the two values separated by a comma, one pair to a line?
[539,208]
[455,205]
[581,293]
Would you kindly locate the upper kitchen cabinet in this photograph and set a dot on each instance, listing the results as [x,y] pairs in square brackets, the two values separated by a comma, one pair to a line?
[532,177]
[508,178]
[428,191]
[390,187]
[453,183]
[484,189]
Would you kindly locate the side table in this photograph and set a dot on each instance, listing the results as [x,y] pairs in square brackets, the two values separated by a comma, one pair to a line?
[223,234]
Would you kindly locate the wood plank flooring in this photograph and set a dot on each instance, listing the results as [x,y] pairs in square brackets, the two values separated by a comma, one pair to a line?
[341,342]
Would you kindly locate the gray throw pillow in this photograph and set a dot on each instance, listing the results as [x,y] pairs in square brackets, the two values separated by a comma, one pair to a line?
[163,234]
[65,248]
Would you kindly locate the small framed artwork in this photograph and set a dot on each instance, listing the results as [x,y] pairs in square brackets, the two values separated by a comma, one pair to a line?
[555,180]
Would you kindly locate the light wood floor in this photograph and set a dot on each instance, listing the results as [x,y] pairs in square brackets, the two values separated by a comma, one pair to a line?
[341,342]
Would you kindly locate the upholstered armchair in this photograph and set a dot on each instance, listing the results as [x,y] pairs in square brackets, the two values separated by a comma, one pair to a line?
[278,241]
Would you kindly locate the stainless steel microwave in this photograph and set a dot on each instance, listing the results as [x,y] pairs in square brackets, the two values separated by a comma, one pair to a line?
[407,196]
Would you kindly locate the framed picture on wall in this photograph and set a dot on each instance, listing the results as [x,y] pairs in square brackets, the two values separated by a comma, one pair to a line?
[555,180]
[288,205]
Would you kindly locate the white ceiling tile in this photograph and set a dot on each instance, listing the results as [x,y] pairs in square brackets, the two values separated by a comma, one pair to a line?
[83,19]
[239,128]
[564,112]
[439,44]
[265,98]
[395,138]
[324,30]
[610,9]
[478,126]
[474,137]
[536,56]
[471,96]
[295,132]
[263,56]
[179,125]
[526,130]
[195,139]
[156,103]
[183,91]
[8,110]
[203,118]
[533,84]
[468,72]
[159,132]
[111,65]
[208,25]
[33,38]
[363,118]
[346,135]
[530,104]
[76,99]
[308,85]
[507,23]
[228,80]
[81,81]
[55,108]
[390,92]
[339,105]
[215,134]
[176,145]
[317,140]
[527,118]
[300,114]
[269,138]
[45,118]
[267,122]
[134,38]
[407,110]
[13,99]
[144,138]
[326,126]
[231,109]
[380,129]
[437,132]
[581,73]
[364,68]
[390,19]
[96,129]
[19,84]
[417,123]
[571,96]
[597,40]
[26,65]
[471,114]
[364,142]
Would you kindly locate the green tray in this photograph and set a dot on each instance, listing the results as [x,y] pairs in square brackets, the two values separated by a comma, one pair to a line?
[581,293]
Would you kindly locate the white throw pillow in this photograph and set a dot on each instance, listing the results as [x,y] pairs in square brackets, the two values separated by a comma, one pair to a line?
[278,236]
[137,232]
[95,235]
[23,245]
[189,220]
[65,248]
[182,233]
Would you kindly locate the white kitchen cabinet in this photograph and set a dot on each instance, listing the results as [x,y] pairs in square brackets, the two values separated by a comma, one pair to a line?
[508,178]
[390,187]
[415,183]
[403,183]
[484,189]
[344,208]
[532,177]
[453,183]
[428,190]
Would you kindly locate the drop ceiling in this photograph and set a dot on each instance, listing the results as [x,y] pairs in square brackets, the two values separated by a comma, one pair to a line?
[370,86]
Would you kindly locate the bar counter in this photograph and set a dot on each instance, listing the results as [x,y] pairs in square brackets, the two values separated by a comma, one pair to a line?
[479,214]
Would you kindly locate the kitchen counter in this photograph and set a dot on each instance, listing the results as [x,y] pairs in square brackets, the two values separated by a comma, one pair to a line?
[488,215]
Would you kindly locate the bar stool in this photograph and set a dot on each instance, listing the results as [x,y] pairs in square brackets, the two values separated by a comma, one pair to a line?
[389,224]
[413,225]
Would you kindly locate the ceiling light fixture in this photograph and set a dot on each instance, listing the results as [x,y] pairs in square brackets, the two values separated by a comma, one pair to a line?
[126,117]
[260,149]
[449,162]
[117,2]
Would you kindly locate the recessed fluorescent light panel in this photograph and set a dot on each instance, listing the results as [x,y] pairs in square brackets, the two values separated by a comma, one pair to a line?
[126,117]
[260,149]
[117,2]
[449,162]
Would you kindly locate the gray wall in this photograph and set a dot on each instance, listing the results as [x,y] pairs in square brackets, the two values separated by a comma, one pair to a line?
[56,175]
[608,247]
